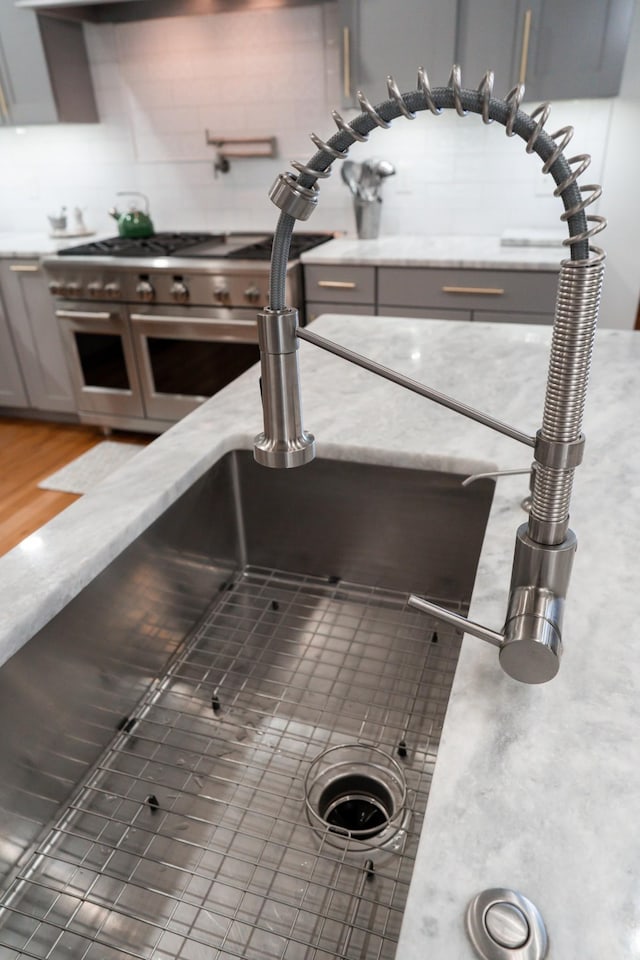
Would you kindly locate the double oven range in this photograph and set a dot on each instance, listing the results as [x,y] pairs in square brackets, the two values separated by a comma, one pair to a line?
[154,326]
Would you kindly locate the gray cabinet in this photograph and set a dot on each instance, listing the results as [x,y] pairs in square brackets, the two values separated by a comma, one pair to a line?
[380,38]
[510,296]
[12,391]
[561,50]
[44,71]
[36,337]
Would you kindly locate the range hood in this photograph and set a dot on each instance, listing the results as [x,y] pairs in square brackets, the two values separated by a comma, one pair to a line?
[120,11]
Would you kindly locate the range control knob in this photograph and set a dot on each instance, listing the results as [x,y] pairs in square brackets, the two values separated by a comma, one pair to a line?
[94,289]
[72,289]
[112,290]
[222,296]
[55,288]
[179,290]
[145,290]
[252,294]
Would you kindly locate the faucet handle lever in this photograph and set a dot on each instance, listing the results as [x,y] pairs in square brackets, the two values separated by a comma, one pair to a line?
[455,620]
[531,644]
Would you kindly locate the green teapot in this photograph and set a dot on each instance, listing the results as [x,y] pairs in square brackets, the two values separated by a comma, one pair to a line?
[134,223]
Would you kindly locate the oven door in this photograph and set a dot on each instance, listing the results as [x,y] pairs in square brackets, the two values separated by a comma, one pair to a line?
[101,359]
[186,354]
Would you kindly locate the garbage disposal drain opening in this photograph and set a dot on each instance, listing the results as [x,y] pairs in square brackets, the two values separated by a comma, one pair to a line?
[356,804]
[355,795]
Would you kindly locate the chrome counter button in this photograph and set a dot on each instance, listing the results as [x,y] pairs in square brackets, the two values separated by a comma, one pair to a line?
[507,925]
[55,288]
[95,288]
[504,925]
[72,289]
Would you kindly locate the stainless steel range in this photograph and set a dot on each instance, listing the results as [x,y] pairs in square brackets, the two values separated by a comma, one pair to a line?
[153,326]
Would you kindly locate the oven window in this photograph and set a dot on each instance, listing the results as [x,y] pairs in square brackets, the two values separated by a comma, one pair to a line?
[102,360]
[197,368]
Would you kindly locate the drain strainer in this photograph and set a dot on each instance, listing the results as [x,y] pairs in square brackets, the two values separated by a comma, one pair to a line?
[355,794]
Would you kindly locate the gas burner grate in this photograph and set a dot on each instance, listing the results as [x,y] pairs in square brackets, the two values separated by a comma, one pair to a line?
[190,837]
[262,249]
[158,245]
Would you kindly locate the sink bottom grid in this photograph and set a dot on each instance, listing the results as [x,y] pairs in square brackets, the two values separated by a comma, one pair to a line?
[191,838]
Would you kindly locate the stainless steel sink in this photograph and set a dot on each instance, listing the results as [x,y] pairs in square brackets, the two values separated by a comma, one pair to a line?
[224,746]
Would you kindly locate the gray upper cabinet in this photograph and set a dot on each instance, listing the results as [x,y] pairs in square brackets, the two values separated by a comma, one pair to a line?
[380,38]
[44,71]
[560,49]
[36,336]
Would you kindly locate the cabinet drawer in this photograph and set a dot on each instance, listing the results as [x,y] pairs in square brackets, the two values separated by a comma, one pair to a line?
[341,284]
[494,290]
[315,309]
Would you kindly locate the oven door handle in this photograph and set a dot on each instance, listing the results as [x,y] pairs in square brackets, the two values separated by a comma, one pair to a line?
[210,321]
[84,314]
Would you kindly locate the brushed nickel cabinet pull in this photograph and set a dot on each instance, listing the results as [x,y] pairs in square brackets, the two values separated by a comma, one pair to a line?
[338,284]
[346,61]
[524,56]
[485,291]
[4,110]
[23,268]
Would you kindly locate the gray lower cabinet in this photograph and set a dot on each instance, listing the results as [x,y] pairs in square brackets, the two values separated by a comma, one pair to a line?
[12,391]
[44,71]
[511,296]
[560,50]
[380,38]
[36,338]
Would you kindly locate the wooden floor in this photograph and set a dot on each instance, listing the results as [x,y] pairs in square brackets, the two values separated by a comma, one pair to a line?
[29,452]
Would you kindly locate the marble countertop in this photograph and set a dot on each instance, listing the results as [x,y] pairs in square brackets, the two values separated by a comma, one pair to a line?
[438,251]
[536,787]
[34,245]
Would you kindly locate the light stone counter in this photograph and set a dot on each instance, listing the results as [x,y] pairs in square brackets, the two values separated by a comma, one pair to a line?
[35,245]
[438,251]
[535,788]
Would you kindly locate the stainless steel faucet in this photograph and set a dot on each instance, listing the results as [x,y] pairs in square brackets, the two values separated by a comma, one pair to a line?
[530,642]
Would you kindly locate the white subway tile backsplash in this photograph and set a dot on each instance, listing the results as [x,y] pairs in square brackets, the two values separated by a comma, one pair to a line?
[257,73]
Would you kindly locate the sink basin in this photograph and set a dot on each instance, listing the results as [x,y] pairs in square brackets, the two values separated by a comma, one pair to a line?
[223,746]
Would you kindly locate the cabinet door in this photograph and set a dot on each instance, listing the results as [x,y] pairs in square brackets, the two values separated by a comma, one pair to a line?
[38,343]
[381,38]
[44,71]
[12,391]
[577,48]
[560,49]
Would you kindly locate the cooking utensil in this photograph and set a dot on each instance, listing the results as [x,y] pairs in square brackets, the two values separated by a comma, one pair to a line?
[134,223]
[351,175]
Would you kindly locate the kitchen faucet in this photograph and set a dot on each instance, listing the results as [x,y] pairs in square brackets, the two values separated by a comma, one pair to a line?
[530,644]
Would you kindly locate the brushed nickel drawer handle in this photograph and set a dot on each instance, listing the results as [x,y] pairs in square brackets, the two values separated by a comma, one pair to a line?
[526,38]
[4,110]
[83,315]
[346,61]
[338,284]
[488,291]
[23,268]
